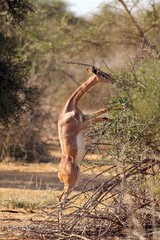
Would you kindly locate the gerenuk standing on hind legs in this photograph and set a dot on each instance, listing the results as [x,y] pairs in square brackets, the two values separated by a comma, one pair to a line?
[71,123]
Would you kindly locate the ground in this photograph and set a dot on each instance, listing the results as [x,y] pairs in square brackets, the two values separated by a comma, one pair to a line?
[27,191]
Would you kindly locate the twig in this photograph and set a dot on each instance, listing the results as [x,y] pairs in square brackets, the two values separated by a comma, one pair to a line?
[79,236]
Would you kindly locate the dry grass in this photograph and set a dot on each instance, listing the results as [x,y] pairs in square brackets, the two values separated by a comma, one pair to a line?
[107,204]
[27,199]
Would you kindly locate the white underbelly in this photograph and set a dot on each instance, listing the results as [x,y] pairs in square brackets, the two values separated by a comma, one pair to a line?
[80,149]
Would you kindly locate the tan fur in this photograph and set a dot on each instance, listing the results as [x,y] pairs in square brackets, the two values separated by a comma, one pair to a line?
[71,122]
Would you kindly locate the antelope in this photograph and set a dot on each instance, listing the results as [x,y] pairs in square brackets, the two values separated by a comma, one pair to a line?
[71,123]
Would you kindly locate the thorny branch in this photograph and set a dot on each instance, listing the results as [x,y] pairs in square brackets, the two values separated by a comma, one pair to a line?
[102,215]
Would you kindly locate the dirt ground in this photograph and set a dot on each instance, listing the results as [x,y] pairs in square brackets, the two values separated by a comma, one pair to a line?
[26,190]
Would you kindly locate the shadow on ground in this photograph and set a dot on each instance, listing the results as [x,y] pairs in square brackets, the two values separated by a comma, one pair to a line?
[39,180]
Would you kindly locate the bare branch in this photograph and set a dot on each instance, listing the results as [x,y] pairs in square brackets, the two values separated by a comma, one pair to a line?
[139,29]
[141,33]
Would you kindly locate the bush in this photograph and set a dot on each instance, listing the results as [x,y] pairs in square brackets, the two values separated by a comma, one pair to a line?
[16,97]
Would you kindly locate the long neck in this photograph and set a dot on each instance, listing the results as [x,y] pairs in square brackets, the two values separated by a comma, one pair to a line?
[78,93]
